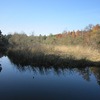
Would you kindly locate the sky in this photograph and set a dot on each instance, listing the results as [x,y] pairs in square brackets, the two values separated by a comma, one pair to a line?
[47,16]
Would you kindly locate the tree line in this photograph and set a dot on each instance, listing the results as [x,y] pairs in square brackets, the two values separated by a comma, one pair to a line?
[90,36]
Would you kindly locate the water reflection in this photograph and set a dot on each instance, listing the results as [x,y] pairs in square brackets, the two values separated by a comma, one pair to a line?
[0,69]
[85,72]
[48,83]
[1,55]
[96,72]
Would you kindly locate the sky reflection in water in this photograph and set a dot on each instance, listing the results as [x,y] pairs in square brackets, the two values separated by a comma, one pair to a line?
[39,83]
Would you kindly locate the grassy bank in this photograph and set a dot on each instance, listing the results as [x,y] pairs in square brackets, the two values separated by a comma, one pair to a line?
[79,52]
[58,56]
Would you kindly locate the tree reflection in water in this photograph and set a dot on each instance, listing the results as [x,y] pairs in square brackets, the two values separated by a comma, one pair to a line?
[96,72]
[1,55]
[0,68]
[85,72]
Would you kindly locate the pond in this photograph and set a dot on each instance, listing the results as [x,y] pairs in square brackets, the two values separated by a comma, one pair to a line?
[39,83]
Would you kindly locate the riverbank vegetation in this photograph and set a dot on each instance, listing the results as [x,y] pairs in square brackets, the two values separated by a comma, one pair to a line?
[3,42]
[71,49]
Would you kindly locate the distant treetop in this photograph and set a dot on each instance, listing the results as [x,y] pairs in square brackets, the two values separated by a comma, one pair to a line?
[0,32]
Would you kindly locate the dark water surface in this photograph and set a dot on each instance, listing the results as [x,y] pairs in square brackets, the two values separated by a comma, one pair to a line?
[35,83]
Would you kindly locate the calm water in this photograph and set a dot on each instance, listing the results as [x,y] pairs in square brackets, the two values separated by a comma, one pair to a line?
[33,83]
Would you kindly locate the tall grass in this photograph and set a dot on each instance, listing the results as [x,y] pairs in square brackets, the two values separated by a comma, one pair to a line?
[79,52]
[51,55]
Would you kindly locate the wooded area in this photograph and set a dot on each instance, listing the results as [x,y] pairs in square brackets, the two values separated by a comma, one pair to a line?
[81,45]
